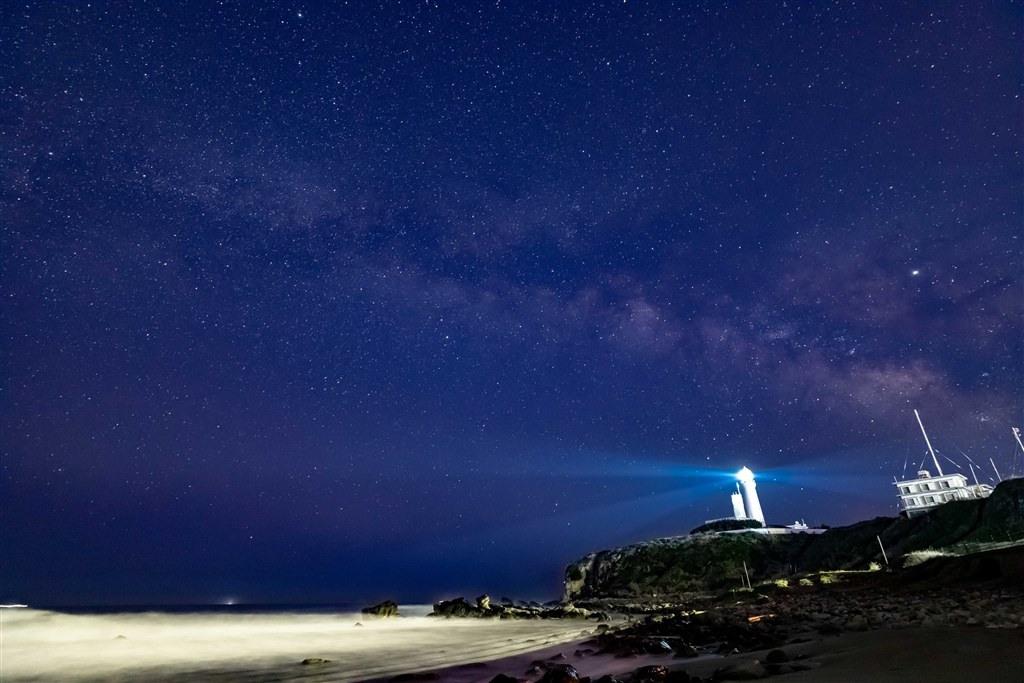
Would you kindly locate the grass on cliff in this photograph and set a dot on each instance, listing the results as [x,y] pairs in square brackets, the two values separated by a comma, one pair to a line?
[699,563]
[715,561]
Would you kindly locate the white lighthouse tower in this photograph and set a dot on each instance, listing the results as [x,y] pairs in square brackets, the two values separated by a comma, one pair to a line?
[750,502]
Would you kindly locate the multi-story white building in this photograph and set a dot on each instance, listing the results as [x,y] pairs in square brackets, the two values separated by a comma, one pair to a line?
[927,492]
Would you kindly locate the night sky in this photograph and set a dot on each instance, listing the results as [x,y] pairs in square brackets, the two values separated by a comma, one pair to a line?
[350,301]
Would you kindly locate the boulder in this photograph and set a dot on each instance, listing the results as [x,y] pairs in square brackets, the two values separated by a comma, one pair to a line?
[314,660]
[656,646]
[687,651]
[654,673]
[569,611]
[459,607]
[483,602]
[561,673]
[388,608]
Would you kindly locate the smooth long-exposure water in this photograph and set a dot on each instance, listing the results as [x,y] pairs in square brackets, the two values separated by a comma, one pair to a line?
[48,646]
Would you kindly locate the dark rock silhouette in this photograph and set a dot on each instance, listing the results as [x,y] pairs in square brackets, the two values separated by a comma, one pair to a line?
[388,608]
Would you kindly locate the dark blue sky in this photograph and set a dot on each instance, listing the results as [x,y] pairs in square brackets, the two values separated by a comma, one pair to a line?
[340,302]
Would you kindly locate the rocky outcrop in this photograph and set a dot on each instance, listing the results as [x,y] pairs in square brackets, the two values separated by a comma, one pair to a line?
[388,608]
[461,608]
[561,673]
[702,562]
[683,564]
[771,625]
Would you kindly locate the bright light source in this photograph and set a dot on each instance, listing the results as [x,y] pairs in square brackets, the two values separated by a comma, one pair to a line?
[745,475]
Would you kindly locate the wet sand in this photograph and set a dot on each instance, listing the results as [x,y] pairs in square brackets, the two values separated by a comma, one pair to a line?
[958,654]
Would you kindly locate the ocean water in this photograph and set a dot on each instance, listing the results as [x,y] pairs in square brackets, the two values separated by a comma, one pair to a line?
[259,644]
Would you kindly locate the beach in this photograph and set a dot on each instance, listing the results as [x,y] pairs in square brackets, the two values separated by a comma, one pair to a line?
[48,646]
[953,654]
[827,634]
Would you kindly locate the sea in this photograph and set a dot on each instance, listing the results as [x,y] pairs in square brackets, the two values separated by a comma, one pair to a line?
[253,642]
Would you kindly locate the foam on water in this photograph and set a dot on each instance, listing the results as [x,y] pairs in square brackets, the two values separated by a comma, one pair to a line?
[39,645]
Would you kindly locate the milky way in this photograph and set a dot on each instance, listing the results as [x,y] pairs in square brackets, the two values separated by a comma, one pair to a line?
[307,303]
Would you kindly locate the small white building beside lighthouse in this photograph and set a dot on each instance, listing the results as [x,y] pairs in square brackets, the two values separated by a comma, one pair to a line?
[738,511]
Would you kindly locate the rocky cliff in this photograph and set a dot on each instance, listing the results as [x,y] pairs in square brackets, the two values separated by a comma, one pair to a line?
[699,562]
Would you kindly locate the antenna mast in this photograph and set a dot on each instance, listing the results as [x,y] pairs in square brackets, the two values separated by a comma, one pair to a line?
[1013,465]
[935,460]
[997,471]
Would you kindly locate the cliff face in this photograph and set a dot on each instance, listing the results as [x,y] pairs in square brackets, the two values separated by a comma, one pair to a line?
[670,566]
[681,564]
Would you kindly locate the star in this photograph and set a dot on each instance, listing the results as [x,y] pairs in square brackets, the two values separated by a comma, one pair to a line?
[268,270]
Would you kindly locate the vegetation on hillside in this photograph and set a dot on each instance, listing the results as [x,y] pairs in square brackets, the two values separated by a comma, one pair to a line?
[712,561]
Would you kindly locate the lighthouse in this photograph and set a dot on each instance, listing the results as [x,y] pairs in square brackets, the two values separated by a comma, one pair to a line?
[751,504]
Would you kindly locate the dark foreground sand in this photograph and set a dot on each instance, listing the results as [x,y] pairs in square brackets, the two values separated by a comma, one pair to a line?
[960,654]
[869,626]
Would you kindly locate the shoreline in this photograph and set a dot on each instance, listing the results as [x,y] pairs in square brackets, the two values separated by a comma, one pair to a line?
[42,646]
[882,656]
[863,626]
[867,629]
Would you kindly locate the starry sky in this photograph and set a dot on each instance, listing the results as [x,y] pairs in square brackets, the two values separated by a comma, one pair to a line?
[343,301]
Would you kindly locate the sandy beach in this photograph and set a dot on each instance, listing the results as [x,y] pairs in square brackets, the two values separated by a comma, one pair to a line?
[933,654]
[869,629]
[44,647]
[810,635]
